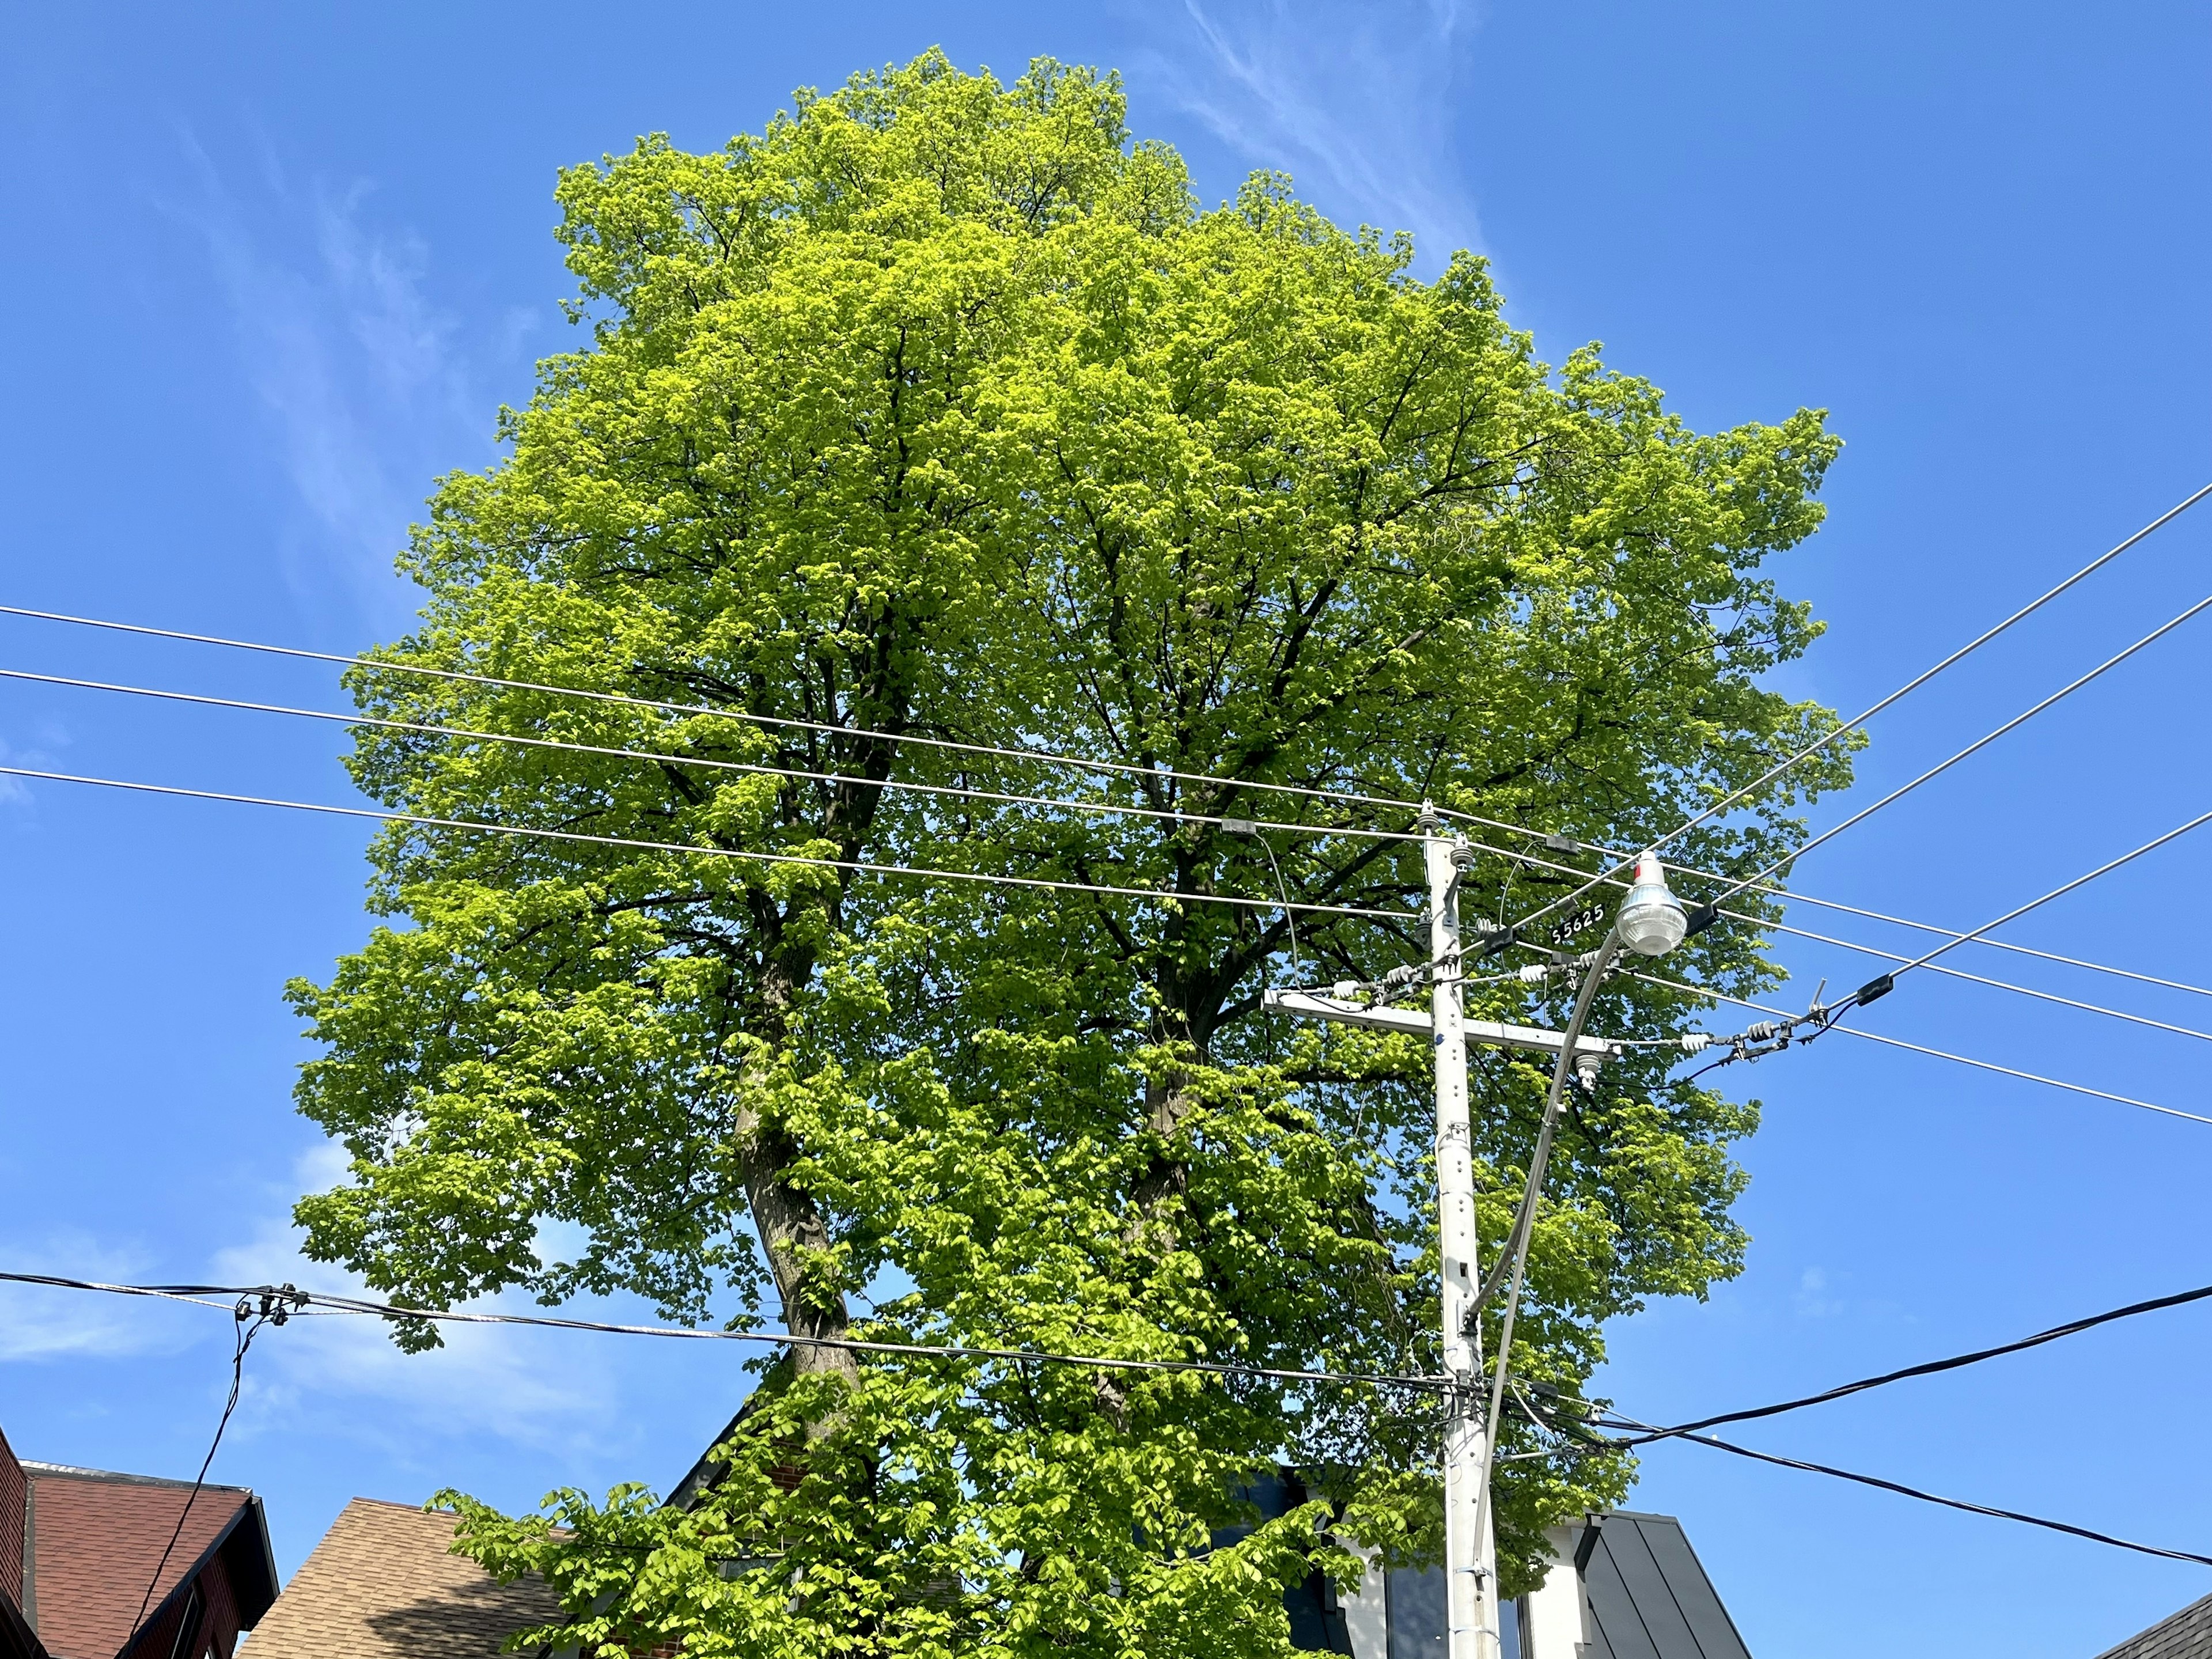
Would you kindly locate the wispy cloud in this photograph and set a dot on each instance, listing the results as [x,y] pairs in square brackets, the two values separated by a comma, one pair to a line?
[1358,101]
[40,1324]
[343,1375]
[358,362]
[40,753]
[1812,1300]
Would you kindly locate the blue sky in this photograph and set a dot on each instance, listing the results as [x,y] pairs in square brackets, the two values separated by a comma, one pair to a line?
[272,268]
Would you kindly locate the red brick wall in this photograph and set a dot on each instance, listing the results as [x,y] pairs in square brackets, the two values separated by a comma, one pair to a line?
[13,1492]
[218,1621]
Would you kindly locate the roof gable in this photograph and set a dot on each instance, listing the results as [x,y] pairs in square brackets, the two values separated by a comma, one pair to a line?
[94,1539]
[383,1583]
[2185,1635]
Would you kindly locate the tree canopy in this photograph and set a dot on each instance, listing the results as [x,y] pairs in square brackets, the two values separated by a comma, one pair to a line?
[937,418]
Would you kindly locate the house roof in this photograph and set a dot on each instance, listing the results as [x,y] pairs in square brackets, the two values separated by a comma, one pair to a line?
[94,1540]
[383,1583]
[2187,1635]
[1649,1595]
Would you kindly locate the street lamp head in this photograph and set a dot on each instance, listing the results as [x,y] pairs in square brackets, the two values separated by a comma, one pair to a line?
[1651,919]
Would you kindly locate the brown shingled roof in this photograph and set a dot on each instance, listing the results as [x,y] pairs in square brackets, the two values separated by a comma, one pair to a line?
[384,1584]
[96,1538]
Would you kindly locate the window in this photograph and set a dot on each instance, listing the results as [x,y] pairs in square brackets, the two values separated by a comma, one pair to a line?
[188,1628]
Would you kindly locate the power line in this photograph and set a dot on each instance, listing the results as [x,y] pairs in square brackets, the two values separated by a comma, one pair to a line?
[298,1301]
[798,773]
[757,769]
[247,1326]
[1919,1048]
[1890,955]
[1932,1367]
[1915,1493]
[2058,892]
[379,665]
[1940,766]
[1798,896]
[1911,686]
[748,767]
[1102,807]
[1977,938]
[855,866]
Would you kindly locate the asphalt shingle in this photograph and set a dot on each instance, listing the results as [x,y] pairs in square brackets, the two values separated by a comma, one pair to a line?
[384,1584]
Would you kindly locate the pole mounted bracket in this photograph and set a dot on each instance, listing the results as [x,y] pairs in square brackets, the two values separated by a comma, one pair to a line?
[1488,1033]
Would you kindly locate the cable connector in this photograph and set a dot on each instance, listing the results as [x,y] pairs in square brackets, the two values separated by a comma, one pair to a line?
[1491,941]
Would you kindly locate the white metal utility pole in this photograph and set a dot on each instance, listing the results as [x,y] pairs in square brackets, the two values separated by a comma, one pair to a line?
[1651,922]
[1470,1552]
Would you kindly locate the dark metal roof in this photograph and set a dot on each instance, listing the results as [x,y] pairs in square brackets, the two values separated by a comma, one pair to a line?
[1649,1595]
[2187,1635]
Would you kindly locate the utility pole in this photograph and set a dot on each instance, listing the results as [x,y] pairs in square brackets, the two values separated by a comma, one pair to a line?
[1470,1546]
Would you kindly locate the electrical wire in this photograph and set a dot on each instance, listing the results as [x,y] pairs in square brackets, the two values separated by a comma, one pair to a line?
[1918,680]
[1797,896]
[855,866]
[247,1326]
[2058,892]
[1893,957]
[1933,1367]
[300,1302]
[380,666]
[1919,1048]
[1757,882]
[750,767]
[1103,807]
[1915,1493]
[1940,766]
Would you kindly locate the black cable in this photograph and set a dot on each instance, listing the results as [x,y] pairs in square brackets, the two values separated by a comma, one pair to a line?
[303,1302]
[1903,1491]
[1932,1367]
[275,1307]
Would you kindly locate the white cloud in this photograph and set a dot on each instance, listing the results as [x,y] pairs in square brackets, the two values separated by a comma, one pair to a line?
[343,1374]
[1366,95]
[37,1323]
[39,754]
[1812,1299]
[359,366]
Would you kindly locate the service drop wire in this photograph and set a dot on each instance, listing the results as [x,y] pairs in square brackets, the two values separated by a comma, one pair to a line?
[275,1306]
[1614,1421]
[308,1303]
[1913,684]
[1927,1368]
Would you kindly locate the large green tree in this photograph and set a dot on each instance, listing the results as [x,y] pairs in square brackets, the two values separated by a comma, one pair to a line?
[938,414]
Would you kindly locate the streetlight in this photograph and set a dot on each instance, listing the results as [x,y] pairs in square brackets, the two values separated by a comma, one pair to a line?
[1651,922]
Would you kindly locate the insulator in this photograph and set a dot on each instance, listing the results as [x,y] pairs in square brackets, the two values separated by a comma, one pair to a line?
[1696,1043]
[1761,1032]
[1535,974]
